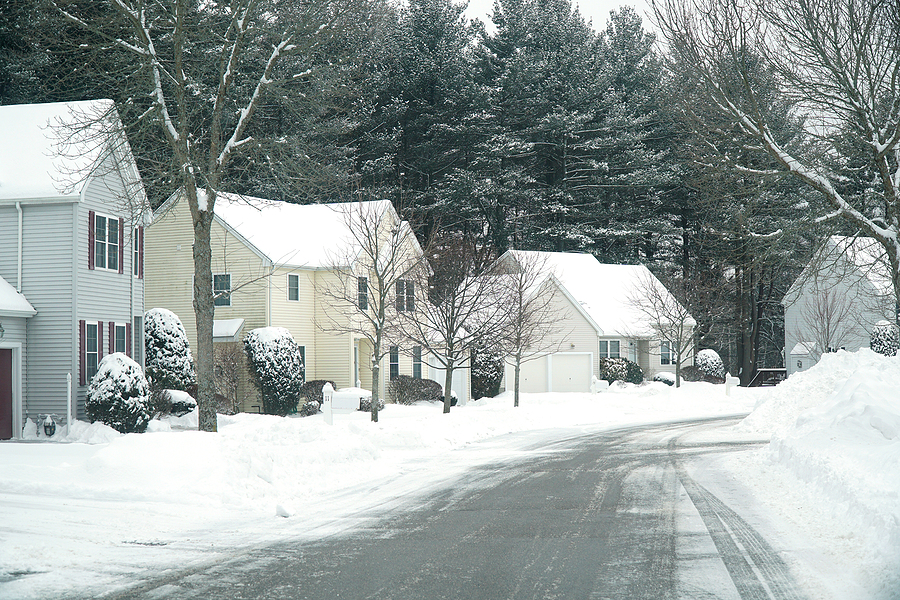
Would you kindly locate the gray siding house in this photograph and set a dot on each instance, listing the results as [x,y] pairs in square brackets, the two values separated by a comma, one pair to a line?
[72,213]
[835,303]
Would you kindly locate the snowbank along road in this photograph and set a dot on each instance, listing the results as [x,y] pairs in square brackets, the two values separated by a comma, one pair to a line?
[609,516]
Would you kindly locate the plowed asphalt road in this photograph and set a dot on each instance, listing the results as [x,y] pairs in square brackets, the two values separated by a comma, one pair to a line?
[609,516]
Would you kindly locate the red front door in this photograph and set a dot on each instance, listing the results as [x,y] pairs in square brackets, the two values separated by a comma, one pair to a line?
[6,394]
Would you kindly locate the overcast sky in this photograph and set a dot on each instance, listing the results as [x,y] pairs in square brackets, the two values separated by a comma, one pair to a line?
[596,11]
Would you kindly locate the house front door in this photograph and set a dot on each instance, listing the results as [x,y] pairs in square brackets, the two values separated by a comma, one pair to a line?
[6,393]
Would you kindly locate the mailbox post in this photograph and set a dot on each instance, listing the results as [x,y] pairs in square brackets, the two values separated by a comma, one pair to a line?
[327,395]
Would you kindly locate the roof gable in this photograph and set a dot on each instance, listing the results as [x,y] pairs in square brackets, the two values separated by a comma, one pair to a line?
[49,153]
[601,291]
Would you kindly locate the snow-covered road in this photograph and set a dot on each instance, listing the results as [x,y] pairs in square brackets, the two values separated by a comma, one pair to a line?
[88,515]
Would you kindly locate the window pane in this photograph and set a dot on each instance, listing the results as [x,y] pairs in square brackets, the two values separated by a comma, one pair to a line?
[293,287]
[136,259]
[362,292]
[401,295]
[120,338]
[112,253]
[222,285]
[604,349]
[91,338]
[100,242]
[417,362]
[410,296]
[614,349]
[395,362]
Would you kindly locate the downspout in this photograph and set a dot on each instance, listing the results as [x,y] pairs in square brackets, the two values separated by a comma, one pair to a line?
[19,258]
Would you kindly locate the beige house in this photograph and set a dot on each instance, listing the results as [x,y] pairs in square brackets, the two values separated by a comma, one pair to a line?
[597,318]
[288,265]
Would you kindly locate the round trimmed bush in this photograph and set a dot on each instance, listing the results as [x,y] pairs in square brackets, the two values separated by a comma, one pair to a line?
[885,338]
[620,369]
[664,377]
[406,390]
[119,395]
[710,364]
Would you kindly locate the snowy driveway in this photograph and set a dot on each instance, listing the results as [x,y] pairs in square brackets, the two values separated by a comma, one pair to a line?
[612,515]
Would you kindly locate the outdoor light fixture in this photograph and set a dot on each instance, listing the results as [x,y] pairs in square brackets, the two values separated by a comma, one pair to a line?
[49,426]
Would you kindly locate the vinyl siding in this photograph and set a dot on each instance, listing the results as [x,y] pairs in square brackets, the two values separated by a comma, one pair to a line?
[103,295]
[333,354]
[48,283]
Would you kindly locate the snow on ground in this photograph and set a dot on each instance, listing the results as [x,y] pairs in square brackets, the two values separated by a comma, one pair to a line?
[88,513]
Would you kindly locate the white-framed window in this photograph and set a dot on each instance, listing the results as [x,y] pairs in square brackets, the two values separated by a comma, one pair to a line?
[137,243]
[222,289]
[394,362]
[406,295]
[91,334]
[293,282]
[417,362]
[106,238]
[610,349]
[362,292]
[119,338]
[303,360]
[665,353]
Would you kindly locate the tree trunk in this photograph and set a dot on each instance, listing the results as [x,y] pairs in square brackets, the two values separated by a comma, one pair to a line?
[204,310]
[448,384]
[376,379]
[516,383]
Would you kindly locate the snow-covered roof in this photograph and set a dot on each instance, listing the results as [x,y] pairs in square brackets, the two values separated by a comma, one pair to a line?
[12,303]
[802,349]
[46,154]
[227,329]
[602,290]
[312,236]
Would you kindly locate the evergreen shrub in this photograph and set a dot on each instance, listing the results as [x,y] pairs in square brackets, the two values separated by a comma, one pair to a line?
[167,356]
[710,364]
[620,369]
[885,338]
[407,390]
[365,404]
[487,372]
[664,377]
[277,368]
[119,395]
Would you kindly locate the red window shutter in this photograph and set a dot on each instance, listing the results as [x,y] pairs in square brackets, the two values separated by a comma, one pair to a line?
[141,252]
[90,240]
[121,246]
[112,337]
[128,350]
[99,341]
[82,334]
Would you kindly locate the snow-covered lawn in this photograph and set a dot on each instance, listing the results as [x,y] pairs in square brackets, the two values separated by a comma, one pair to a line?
[84,513]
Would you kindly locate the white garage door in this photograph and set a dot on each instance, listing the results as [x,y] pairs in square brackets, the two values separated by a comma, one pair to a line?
[571,372]
[564,372]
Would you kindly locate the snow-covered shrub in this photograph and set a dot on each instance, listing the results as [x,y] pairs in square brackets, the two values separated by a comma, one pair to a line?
[710,364]
[885,338]
[167,356]
[119,395]
[620,369]
[365,404]
[277,368]
[406,390]
[487,371]
[664,377]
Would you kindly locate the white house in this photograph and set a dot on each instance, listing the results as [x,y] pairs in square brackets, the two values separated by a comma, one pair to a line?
[598,319]
[71,275]
[273,265]
[837,300]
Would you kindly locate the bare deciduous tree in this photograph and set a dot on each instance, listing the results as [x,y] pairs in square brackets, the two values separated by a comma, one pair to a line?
[464,305]
[380,251]
[667,318]
[533,317]
[838,64]
[204,109]
[828,317]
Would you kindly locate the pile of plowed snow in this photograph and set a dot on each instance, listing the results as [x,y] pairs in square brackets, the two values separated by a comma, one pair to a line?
[837,426]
